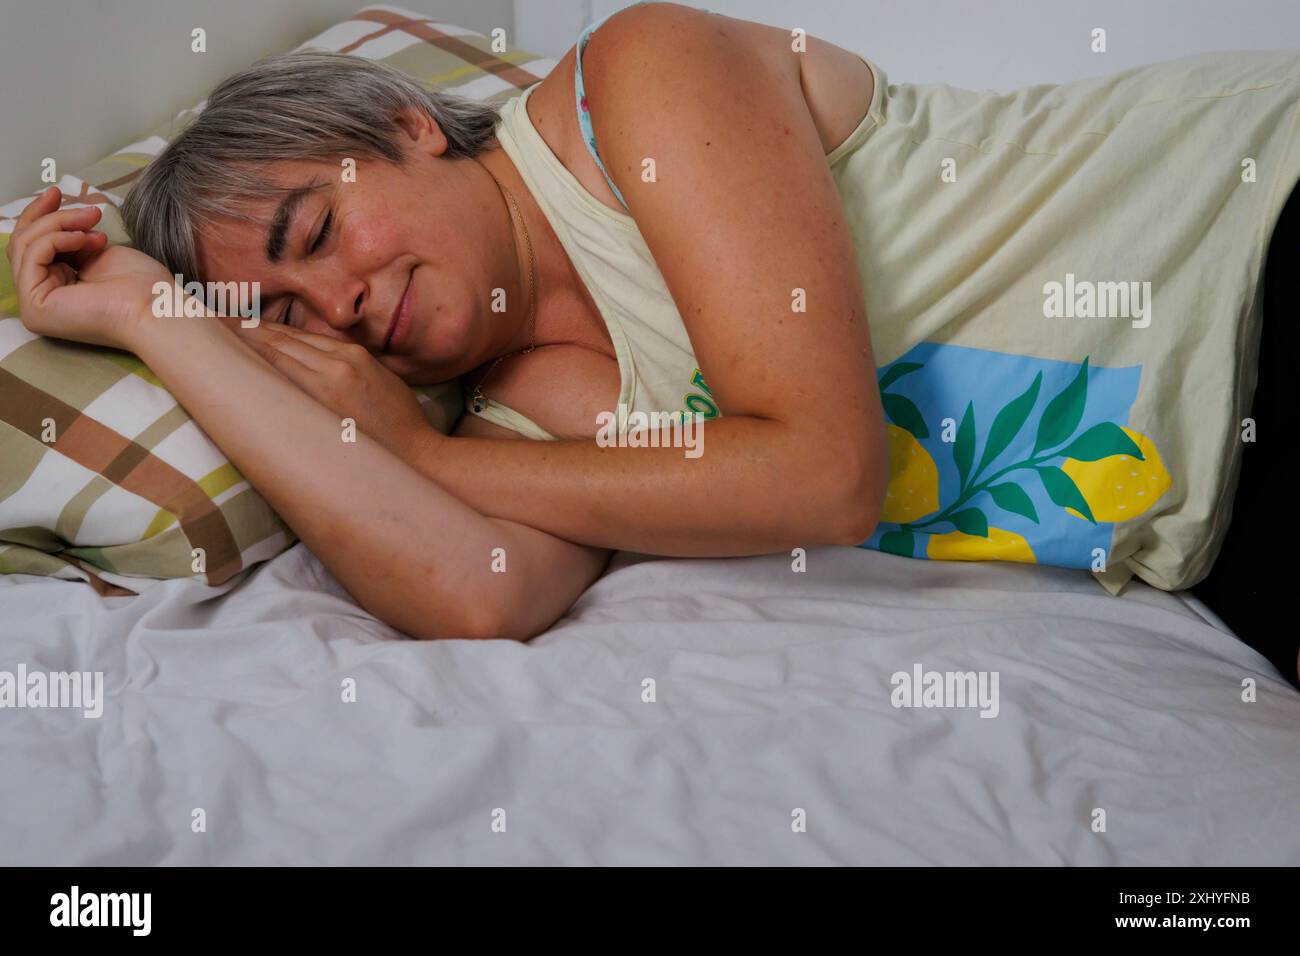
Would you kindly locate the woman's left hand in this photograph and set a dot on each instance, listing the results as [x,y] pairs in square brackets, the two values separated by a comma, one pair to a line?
[346,379]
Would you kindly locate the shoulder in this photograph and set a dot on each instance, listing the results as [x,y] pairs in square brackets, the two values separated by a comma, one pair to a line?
[678,95]
[643,20]
[663,39]
[645,31]
[667,48]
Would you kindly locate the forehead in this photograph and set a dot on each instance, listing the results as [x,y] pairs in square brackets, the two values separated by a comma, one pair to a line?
[235,249]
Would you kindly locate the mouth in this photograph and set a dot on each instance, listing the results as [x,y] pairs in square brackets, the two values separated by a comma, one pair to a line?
[400,323]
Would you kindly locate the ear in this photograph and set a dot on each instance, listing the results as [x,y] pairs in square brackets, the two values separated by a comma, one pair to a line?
[420,132]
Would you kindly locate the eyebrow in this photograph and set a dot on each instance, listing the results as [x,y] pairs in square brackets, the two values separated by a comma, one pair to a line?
[277,235]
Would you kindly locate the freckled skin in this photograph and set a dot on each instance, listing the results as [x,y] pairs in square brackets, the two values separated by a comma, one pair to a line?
[442,222]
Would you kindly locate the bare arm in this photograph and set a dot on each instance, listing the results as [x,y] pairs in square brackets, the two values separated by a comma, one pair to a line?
[743,211]
[753,490]
[409,552]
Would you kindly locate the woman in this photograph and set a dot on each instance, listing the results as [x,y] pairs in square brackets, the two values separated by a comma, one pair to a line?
[718,225]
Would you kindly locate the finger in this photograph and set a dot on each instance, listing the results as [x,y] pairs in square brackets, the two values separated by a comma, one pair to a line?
[67,220]
[41,253]
[81,217]
[31,212]
[254,335]
[96,242]
[269,345]
[324,343]
[58,275]
[39,207]
[316,359]
[232,322]
[304,377]
[277,333]
[245,325]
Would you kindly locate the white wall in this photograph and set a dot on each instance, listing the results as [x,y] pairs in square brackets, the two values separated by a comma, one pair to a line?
[994,44]
[550,27]
[80,78]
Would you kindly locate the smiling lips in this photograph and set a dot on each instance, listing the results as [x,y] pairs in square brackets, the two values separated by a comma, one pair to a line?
[401,322]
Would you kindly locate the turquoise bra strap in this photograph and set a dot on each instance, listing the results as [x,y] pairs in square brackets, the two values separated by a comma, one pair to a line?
[580,92]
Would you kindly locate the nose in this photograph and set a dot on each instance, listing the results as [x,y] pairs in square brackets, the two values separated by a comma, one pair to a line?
[340,303]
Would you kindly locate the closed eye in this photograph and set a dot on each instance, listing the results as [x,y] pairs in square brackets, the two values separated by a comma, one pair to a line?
[286,316]
[324,232]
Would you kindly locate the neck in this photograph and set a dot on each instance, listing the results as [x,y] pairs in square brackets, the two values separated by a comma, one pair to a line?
[558,294]
[523,267]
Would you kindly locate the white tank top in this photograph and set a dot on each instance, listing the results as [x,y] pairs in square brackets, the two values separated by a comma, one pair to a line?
[657,366]
[1062,286]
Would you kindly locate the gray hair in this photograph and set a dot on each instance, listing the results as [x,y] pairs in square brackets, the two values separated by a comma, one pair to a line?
[308,104]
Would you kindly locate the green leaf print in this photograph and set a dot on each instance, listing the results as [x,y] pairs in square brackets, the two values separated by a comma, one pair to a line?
[1009,496]
[897,542]
[897,372]
[1064,412]
[1008,423]
[1054,441]
[903,413]
[1062,490]
[963,451]
[1102,441]
[971,521]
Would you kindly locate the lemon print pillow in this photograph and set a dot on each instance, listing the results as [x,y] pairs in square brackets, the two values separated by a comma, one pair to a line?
[1001,457]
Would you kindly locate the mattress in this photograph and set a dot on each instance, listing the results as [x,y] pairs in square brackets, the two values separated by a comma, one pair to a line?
[685,711]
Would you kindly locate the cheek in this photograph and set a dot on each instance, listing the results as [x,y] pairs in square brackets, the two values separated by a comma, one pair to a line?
[450,330]
[371,237]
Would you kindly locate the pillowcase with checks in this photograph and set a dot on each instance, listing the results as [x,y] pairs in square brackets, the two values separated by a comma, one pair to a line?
[103,476]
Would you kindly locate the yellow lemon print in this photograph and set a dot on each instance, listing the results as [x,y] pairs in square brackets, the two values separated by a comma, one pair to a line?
[913,490]
[998,546]
[1120,487]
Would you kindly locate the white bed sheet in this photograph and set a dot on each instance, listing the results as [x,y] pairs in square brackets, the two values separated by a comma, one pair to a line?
[772,694]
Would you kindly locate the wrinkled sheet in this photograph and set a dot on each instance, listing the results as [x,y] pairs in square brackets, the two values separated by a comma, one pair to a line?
[772,695]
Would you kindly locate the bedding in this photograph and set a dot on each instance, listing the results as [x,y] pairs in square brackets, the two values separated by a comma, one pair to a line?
[772,691]
[1066,307]
[103,476]
[307,732]
[1061,284]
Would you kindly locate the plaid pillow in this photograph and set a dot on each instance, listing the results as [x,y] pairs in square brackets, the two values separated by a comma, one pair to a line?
[103,476]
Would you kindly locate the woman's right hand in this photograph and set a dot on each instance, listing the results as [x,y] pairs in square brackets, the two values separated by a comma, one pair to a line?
[71,284]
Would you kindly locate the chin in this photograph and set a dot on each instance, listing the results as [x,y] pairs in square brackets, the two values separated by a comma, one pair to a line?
[414,371]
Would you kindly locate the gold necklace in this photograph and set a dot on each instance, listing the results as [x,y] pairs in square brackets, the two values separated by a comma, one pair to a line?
[480,400]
